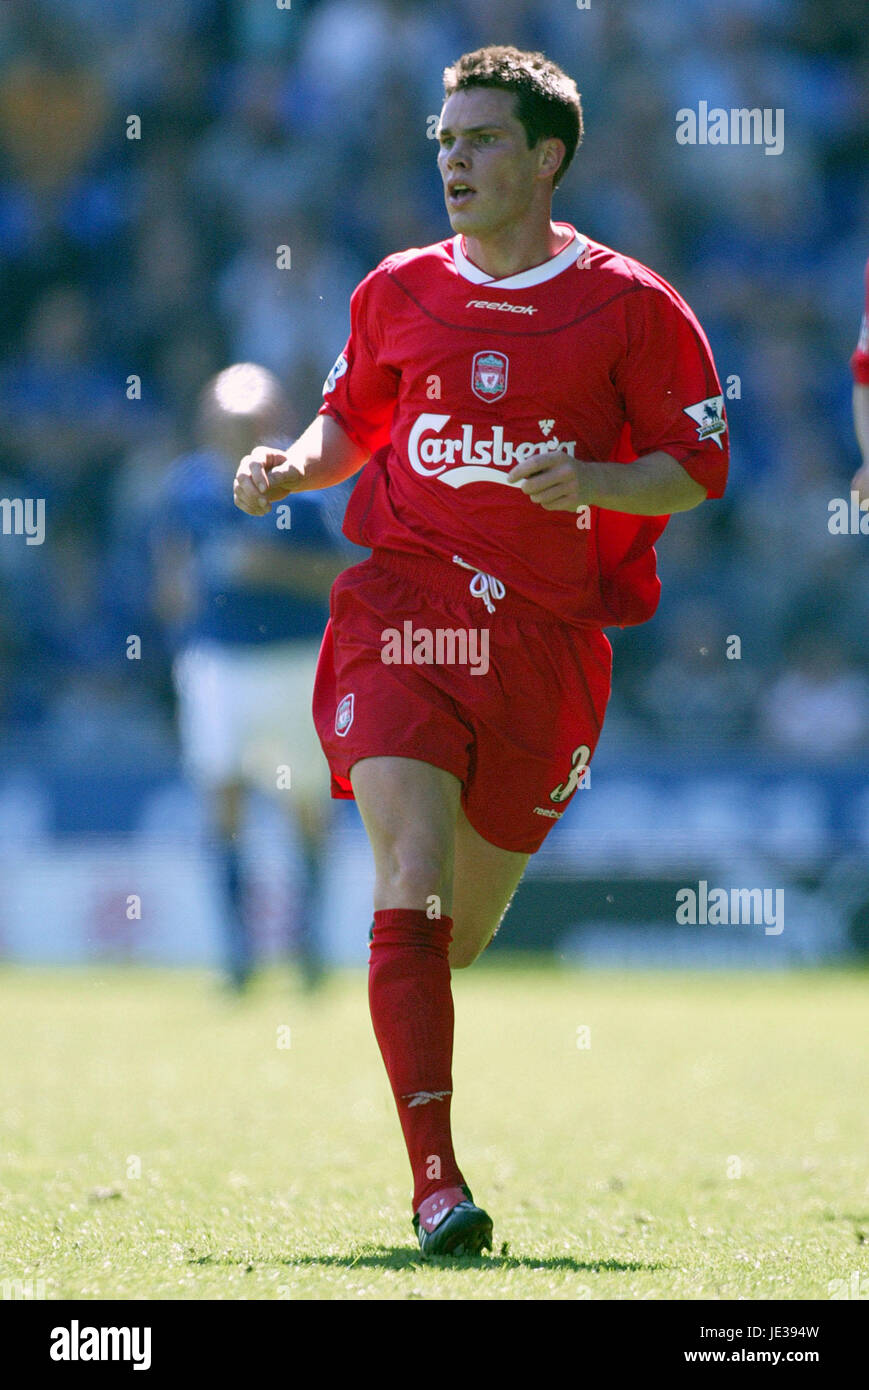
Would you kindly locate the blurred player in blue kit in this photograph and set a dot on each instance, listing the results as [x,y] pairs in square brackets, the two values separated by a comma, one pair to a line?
[246,607]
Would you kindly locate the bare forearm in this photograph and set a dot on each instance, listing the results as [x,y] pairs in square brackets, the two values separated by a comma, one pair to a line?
[321,457]
[655,485]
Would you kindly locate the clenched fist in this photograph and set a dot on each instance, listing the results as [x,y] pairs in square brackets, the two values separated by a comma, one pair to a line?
[263,477]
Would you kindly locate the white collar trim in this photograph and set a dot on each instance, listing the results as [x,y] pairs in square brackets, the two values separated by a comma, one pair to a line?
[537,275]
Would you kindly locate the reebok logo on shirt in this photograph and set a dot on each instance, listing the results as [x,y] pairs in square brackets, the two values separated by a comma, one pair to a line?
[507,308]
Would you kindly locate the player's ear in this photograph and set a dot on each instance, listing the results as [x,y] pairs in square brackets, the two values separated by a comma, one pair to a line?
[552,152]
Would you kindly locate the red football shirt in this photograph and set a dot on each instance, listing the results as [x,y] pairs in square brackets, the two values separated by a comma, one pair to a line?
[449,377]
[860,355]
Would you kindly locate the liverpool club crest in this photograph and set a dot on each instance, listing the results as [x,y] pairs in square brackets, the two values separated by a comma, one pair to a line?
[489,375]
[344,716]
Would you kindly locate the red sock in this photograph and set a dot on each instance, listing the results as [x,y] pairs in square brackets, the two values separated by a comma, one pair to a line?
[412,1012]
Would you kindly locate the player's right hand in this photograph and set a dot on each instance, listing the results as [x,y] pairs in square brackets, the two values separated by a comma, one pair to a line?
[263,477]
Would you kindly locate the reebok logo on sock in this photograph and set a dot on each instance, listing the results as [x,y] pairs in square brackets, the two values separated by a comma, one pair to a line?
[423,1097]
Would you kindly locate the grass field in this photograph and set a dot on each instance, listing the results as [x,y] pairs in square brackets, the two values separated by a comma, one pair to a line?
[157,1142]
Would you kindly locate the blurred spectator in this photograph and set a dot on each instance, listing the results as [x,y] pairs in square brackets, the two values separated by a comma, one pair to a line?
[819,708]
[697,693]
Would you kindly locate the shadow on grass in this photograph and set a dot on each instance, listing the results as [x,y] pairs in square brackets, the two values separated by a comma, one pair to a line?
[398,1257]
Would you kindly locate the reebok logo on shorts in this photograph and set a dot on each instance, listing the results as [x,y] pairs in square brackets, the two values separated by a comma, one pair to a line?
[344,716]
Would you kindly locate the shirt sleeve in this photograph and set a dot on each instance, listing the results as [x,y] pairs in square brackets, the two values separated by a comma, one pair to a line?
[671,392]
[860,355]
[361,390]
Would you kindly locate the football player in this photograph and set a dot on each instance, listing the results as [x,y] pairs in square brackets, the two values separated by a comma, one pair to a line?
[527,407]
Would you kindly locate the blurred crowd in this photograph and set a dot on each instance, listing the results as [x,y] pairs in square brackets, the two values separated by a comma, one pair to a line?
[154,158]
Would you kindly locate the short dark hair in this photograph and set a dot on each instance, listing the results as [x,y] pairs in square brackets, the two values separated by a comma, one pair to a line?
[547,101]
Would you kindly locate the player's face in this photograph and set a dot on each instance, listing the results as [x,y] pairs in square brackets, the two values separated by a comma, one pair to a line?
[490,175]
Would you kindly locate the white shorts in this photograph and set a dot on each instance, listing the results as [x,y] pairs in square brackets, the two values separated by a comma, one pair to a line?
[245,715]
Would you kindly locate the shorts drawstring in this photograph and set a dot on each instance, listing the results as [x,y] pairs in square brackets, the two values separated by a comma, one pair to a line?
[484,586]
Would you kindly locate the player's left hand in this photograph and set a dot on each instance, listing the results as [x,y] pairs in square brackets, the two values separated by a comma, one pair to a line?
[553,481]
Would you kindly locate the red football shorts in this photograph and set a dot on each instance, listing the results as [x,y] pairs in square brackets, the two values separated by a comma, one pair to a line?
[510,701]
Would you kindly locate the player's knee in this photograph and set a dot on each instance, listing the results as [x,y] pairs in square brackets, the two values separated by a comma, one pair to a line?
[469,946]
[416,871]
[461,955]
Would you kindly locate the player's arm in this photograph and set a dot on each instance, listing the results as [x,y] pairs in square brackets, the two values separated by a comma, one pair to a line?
[654,485]
[674,407]
[321,457]
[359,397]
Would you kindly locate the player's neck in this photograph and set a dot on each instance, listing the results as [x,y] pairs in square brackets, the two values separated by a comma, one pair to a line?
[515,249]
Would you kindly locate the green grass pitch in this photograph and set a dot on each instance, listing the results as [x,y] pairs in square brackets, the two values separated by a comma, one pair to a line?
[634,1136]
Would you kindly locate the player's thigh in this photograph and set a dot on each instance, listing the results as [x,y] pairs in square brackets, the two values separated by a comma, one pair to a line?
[484,881]
[409,809]
[205,678]
[275,729]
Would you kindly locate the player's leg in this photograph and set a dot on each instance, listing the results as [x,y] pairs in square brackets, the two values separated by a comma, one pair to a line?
[311,815]
[283,733]
[226,805]
[409,809]
[211,711]
[484,882]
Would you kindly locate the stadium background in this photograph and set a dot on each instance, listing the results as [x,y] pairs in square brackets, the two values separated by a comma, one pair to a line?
[156,257]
